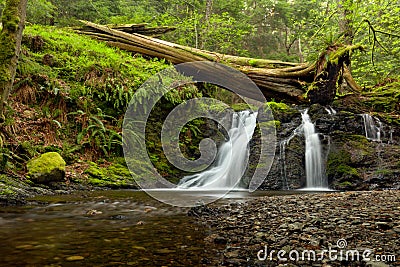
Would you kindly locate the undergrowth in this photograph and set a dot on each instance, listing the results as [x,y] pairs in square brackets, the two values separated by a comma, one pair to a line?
[71,94]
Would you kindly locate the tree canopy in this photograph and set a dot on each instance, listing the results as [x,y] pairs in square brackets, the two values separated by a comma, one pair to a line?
[288,30]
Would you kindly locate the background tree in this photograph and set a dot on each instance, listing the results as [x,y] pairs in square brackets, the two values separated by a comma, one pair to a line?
[13,22]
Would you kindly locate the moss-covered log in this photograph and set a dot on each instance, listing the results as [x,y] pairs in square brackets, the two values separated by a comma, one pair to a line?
[13,21]
[131,28]
[292,82]
[330,68]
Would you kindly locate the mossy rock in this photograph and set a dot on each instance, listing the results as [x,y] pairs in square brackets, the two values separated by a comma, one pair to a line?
[270,125]
[114,176]
[49,167]
[346,185]
[281,112]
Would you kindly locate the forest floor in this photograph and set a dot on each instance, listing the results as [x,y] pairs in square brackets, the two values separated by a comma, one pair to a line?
[339,229]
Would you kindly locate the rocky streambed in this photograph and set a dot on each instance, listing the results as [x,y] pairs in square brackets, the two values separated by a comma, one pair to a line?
[328,229]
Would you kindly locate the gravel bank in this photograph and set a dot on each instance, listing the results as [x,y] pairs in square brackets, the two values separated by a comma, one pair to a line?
[339,229]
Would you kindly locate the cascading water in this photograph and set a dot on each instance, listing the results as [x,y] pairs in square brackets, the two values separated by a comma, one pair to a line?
[372,132]
[232,157]
[315,173]
[330,110]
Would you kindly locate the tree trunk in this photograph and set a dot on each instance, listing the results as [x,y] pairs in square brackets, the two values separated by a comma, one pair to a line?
[345,22]
[13,20]
[209,5]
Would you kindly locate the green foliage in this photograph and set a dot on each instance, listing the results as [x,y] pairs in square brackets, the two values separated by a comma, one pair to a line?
[92,132]
[104,74]
[40,11]
[95,80]
[384,98]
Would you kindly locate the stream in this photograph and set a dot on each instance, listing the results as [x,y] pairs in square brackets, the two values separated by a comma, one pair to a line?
[105,228]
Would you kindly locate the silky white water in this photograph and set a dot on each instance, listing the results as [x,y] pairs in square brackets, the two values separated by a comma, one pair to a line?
[315,173]
[232,157]
[372,132]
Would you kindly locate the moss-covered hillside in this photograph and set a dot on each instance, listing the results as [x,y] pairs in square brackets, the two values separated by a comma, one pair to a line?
[70,97]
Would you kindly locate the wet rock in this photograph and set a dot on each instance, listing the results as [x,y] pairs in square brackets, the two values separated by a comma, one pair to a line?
[118,217]
[352,161]
[383,225]
[295,227]
[93,212]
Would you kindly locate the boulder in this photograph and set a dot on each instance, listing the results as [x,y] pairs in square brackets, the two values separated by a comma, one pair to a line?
[49,167]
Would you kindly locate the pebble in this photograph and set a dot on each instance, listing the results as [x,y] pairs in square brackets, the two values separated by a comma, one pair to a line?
[347,221]
[75,258]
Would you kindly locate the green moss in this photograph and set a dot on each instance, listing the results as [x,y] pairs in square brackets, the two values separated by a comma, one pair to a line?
[10,20]
[87,71]
[269,124]
[310,88]
[253,62]
[383,98]
[274,106]
[345,184]
[281,111]
[341,51]
[243,106]
[216,107]
[338,165]
[114,176]
[5,191]
[46,163]
[346,170]
[384,172]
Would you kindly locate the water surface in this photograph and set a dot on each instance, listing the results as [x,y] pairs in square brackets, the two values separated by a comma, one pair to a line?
[107,228]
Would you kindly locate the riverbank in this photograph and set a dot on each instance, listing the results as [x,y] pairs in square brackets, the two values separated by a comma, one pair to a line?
[301,225]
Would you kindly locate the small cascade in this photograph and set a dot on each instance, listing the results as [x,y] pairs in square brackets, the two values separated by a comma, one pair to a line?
[315,173]
[372,131]
[391,136]
[330,110]
[232,157]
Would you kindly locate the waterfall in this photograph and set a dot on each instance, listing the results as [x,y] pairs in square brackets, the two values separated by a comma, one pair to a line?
[330,110]
[315,173]
[372,132]
[391,136]
[232,157]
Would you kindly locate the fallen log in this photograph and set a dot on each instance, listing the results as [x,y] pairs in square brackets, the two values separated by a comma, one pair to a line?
[293,82]
[130,28]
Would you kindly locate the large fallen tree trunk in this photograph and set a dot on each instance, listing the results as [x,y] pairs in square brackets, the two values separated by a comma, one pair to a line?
[293,82]
[130,28]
